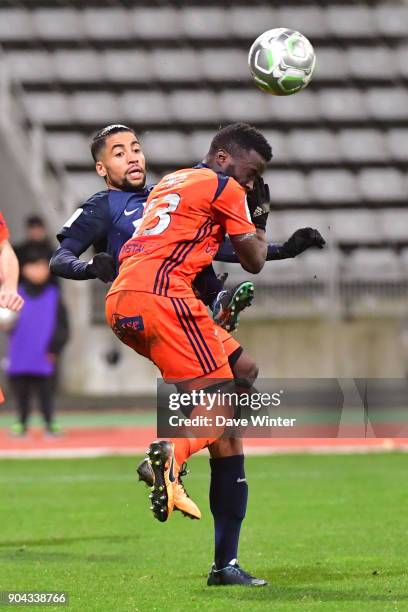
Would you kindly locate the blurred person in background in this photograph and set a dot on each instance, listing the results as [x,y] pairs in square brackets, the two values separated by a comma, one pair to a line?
[36,233]
[37,340]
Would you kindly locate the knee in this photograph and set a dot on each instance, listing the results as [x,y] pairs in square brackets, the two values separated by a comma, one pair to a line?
[226,447]
[246,368]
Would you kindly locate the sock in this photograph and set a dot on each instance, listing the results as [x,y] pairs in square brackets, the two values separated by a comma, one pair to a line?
[228,502]
[184,447]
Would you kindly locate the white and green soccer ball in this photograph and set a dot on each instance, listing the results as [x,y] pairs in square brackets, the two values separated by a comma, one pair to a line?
[281,61]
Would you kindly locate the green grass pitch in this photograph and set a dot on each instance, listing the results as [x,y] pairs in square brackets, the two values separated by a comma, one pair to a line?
[328,532]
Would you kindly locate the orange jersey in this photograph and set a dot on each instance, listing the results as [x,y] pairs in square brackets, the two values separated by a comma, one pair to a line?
[4,232]
[184,222]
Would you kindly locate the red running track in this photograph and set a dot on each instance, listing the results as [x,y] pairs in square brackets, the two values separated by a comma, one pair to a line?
[83,442]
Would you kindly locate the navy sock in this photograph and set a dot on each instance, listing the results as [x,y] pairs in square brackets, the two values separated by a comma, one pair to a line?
[228,501]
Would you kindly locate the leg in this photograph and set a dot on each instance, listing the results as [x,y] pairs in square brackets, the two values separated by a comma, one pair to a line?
[45,391]
[145,322]
[228,498]
[21,386]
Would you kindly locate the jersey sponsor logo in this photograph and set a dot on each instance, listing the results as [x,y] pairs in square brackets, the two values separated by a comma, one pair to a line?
[130,212]
[241,479]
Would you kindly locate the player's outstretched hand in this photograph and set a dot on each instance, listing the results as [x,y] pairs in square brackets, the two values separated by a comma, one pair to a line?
[102,266]
[258,203]
[301,240]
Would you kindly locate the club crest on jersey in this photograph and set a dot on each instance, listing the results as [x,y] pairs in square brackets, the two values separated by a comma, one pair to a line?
[124,325]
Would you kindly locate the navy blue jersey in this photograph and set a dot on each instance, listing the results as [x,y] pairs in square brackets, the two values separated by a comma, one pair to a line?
[106,220]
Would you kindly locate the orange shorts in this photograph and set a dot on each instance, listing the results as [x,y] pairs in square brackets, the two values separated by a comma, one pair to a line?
[229,343]
[177,334]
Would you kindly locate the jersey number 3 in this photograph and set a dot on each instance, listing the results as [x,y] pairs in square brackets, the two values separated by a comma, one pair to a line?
[156,212]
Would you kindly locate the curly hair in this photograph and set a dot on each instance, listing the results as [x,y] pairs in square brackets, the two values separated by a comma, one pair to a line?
[238,136]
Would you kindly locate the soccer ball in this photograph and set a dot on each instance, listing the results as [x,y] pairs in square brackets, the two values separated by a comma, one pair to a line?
[281,61]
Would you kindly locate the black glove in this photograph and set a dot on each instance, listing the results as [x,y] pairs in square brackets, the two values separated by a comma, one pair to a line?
[102,266]
[300,241]
[258,203]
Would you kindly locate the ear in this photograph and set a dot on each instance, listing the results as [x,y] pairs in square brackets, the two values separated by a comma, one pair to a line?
[222,157]
[100,169]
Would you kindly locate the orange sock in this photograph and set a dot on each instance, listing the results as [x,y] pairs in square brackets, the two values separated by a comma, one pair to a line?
[185,447]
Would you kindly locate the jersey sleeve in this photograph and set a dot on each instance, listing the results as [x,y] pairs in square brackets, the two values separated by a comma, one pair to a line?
[4,232]
[88,225]
[231,209]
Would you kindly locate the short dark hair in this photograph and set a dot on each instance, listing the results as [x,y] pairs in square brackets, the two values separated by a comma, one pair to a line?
[98,141]
[34,221]
[33,253]
[241,136]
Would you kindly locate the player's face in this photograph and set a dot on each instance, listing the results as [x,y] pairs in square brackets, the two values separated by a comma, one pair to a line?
[122,162]
[244,168]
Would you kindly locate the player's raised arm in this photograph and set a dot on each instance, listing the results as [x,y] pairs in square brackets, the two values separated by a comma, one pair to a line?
[9,271]
[87,226]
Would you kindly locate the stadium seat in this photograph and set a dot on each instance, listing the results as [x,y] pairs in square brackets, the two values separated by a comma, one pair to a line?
[391,20]
[331,65]
[290,221]
[362,145]
[279,144]
[95,107]
[155,23]
[308,146]
[58,24]
[80,66]
[372,264]
[200,106]
[395,224]
[199,143]
[81,185]
[175,65]
[376,63]
[351,21]
[342,105]
[242,105]
[68,148]
[47,108]
[387,103]
[166,148]
[223,65]
[144,107]
[287,187]
[316,263]
[106,24]
[248,24]
[125,66]
[402,60]
[15,24]
[279,272]
[204,23]
[404,260]
[382,184]
[310,20]
[398,143]
[354,226]
[30,66]
[302,107]
[333,186]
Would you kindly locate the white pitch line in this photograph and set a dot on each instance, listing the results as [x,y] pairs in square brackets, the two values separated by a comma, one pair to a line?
[77,453]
